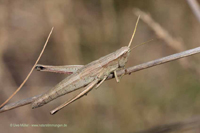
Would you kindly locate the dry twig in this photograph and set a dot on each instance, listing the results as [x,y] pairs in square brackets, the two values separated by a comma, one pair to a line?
[119,73]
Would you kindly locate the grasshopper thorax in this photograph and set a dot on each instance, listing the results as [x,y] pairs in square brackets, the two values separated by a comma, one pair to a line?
[122,56]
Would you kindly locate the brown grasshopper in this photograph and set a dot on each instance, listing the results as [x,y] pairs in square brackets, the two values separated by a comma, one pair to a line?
[91,75]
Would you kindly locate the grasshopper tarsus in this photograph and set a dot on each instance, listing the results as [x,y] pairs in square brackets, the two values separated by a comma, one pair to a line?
[53,112]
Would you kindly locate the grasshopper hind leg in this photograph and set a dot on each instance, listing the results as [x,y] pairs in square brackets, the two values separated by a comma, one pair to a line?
[88,89]
[96,83]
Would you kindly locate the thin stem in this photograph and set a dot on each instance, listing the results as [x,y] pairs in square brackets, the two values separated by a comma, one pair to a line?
[119,73]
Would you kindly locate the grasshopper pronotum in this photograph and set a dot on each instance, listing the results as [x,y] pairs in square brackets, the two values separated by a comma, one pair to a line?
[91,75]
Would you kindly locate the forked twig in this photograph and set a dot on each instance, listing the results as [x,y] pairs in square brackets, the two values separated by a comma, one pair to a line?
[119,73]
[18,89]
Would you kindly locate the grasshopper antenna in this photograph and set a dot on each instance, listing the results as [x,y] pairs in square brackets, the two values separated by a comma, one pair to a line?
[141,44]
[129,45]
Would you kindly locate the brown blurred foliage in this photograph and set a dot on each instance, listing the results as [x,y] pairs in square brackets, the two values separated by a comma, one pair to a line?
[85,30]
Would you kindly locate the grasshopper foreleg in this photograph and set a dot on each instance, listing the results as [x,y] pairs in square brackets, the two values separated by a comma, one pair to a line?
[88,89]
[116,77]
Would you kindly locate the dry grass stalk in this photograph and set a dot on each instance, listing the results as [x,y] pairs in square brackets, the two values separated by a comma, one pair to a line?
[18,89]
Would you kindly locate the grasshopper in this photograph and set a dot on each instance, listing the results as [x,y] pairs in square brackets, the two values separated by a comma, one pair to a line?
[89,76]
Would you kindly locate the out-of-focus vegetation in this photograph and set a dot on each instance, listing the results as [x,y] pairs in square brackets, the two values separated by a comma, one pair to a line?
[85,30]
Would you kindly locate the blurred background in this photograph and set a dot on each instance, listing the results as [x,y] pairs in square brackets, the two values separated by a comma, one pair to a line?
[85,30]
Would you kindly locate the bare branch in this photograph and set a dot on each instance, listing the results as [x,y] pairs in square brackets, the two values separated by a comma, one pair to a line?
[157,62]
[119,73]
